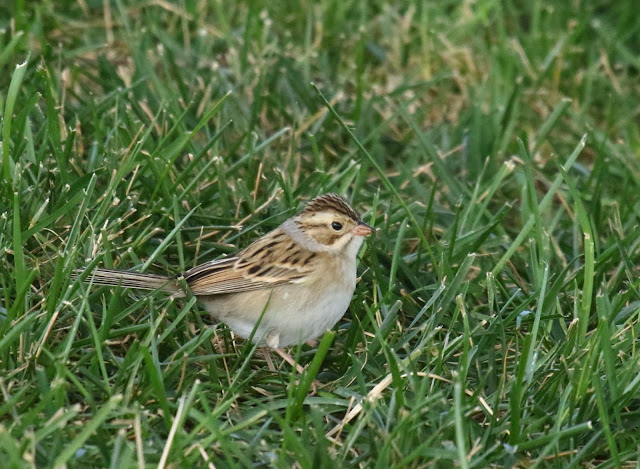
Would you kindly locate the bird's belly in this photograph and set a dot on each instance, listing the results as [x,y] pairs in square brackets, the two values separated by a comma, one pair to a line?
[300,321]
[287,315]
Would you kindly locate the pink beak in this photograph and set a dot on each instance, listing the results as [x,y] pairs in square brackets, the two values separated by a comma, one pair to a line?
[363,229]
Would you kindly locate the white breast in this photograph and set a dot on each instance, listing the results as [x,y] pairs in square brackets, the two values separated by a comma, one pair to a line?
[293,313]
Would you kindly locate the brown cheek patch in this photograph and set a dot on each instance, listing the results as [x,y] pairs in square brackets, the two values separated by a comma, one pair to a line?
[328,238]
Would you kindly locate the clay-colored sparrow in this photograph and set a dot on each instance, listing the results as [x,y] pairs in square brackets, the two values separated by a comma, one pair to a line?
[296,281]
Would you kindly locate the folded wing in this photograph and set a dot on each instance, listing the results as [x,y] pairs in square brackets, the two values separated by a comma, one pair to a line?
[270,261]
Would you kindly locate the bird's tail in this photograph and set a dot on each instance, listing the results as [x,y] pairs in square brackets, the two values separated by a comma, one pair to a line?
[132,280]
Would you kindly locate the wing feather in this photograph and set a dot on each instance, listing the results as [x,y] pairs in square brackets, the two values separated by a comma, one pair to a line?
[274,259]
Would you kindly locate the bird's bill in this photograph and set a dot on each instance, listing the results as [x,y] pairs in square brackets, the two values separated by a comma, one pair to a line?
[363,229]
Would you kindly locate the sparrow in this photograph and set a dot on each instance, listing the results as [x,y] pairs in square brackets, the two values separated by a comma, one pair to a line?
[287,287]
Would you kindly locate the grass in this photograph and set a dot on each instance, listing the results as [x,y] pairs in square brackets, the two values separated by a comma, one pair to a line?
[495,145]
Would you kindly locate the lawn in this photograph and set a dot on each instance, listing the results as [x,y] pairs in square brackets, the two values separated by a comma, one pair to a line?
[495,144]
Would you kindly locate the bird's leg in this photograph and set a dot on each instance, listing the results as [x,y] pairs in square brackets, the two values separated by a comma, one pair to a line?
[289,359]
[273,341]
[267,357]
[299,368]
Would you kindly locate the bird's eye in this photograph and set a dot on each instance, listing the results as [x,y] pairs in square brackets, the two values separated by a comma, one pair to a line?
[336,226]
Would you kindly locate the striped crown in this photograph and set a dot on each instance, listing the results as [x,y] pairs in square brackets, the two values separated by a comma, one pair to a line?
[334,202]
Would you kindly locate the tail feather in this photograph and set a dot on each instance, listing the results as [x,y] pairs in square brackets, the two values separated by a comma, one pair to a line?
[132,280]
